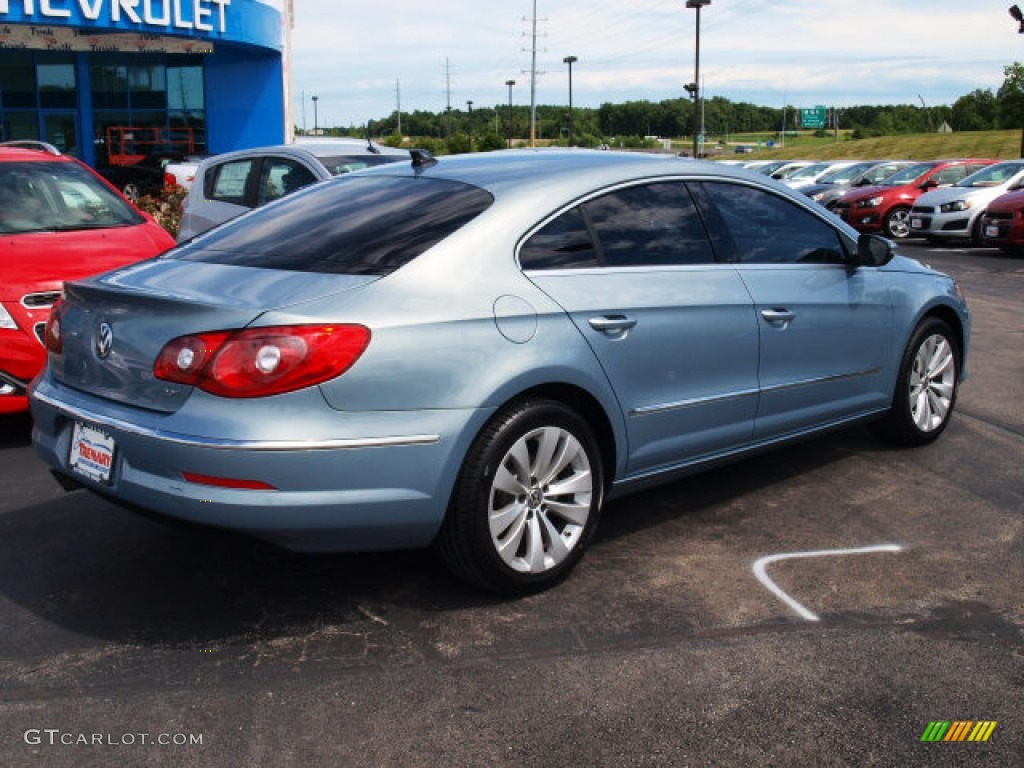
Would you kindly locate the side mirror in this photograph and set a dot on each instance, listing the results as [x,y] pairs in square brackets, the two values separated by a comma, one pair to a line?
[873,251]
[928,184]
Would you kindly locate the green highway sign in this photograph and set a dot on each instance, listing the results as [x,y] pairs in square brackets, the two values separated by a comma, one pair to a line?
[812,118]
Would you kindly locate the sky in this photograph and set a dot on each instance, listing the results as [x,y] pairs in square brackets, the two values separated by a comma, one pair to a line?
[361,60]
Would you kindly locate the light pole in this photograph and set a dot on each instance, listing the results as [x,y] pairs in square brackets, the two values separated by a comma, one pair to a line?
[508,136]
[469,104]
[695,92]
[570,60]
[316,131]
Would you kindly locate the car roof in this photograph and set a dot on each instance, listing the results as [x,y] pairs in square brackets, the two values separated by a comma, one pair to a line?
[321,148]
[11,152]
[561,173]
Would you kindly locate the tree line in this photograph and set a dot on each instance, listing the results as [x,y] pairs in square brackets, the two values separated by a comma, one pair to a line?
[632,123]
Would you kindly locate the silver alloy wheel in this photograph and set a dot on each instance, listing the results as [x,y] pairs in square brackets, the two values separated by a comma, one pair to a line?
[540,500]
[898,223]
[932,383]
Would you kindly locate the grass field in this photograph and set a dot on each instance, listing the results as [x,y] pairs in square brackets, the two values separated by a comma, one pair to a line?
[1001,145]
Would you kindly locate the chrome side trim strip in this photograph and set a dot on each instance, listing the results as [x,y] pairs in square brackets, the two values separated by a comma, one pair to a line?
[821,380]
[211,443]
[647,410]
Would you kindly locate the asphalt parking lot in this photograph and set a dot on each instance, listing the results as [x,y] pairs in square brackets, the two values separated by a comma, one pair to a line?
[889,597]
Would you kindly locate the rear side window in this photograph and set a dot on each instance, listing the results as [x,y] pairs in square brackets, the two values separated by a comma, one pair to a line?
[649,225]
[228,181]
[646,225]
[562,243]
[363,225]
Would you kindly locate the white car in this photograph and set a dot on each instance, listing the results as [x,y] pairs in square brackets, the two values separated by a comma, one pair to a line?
[181,173]
[955,212]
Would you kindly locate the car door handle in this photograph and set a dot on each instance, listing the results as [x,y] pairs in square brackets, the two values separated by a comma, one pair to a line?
[778,316]
[612,324]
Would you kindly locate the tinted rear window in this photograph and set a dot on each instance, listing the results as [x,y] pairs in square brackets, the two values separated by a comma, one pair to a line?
[359,225]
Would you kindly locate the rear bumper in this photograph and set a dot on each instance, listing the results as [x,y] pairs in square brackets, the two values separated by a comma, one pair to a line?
[386,489]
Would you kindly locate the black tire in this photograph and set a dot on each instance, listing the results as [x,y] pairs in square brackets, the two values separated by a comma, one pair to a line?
[977,236]
[534,545]
[921,409]
[897,223]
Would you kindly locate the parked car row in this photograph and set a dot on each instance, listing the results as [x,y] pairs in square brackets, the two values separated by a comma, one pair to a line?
[963,199]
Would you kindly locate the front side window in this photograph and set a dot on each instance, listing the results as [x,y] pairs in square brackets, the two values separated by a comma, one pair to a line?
[280,176]
[949,175]
[358,225]
[767,229]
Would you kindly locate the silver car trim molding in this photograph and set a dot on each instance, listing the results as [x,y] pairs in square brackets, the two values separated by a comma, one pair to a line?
[234,445]
[647,410]
[821,380]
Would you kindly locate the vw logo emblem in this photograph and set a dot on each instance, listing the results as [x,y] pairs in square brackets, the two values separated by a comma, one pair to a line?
[104,340]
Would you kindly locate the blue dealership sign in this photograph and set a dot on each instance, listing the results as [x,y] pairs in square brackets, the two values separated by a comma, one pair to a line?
[251,22]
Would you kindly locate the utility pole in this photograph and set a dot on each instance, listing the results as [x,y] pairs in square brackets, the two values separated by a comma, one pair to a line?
[448,94]
[570,60]
[469,132]
[696,5]
[508,137]
[398,103]
[533,76]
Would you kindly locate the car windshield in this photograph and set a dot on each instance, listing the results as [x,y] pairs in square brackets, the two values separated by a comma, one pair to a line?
[844,175]
[58,196]
[340,164]
[908,175]
[992,176]
[357,225]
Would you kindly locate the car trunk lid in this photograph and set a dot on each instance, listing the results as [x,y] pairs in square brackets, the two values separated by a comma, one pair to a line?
[114,327]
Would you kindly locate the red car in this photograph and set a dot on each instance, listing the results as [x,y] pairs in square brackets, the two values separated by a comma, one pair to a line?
[886,207]
[1002,224]
[59,221]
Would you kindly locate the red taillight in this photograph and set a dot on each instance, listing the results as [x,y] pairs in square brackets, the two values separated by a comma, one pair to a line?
[54,341]
[257,362]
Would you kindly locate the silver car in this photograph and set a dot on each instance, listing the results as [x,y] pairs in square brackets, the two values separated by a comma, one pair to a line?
[228,185]
[955,212]
[477,352]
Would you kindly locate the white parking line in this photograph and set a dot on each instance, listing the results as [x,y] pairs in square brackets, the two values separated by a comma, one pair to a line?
[761,564]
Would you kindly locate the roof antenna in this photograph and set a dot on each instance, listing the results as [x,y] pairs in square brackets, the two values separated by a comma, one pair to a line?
[421,158]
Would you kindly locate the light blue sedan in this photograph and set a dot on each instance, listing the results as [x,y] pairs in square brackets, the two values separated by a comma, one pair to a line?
[476,352]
